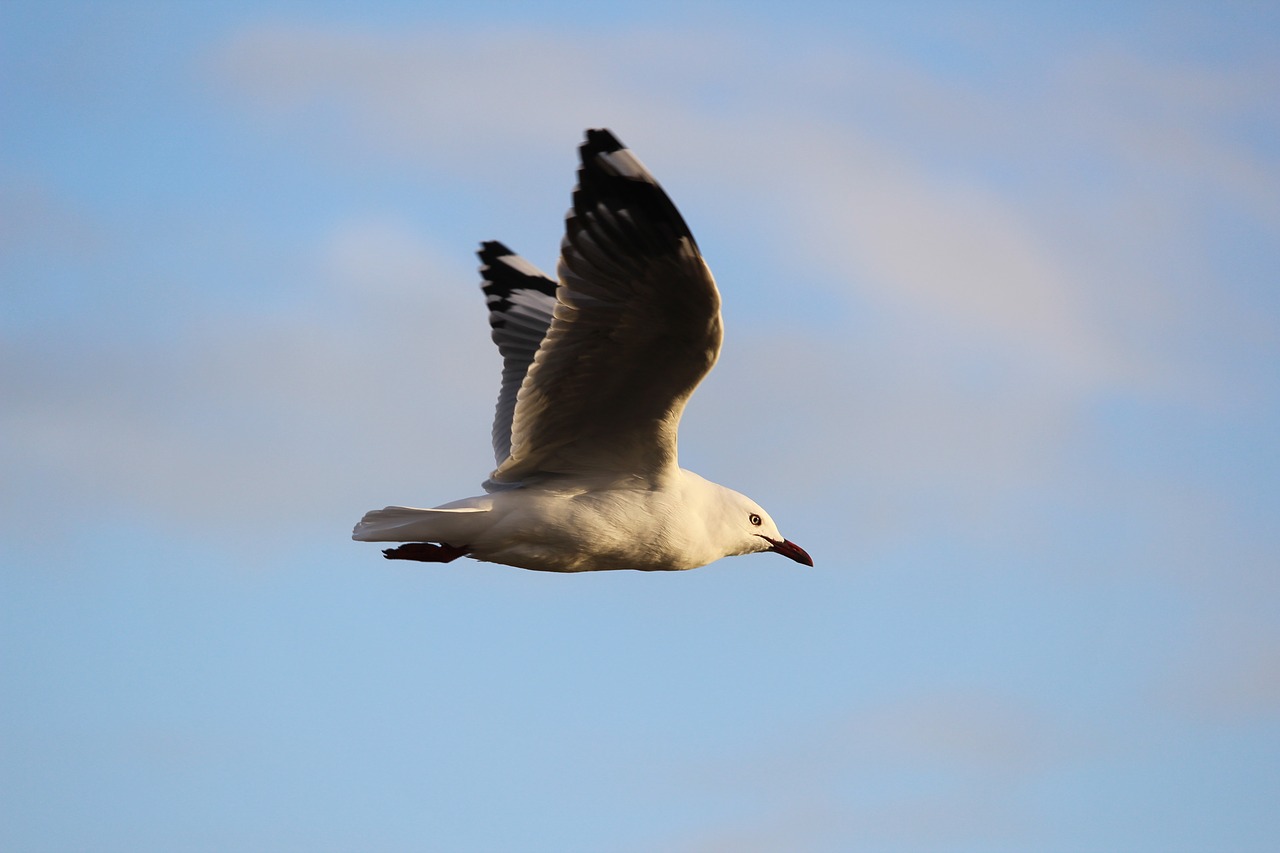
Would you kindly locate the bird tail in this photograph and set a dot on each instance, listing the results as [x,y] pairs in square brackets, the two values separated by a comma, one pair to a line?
[455,525]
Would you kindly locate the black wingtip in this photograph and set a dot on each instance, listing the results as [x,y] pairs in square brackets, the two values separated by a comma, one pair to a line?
[502,272]
[491,250]
[600,141]
[611,175]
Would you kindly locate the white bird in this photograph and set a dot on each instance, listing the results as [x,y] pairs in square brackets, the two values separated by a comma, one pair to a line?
[596,373]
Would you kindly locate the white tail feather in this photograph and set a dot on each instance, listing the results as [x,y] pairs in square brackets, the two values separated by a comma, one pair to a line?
[454,525]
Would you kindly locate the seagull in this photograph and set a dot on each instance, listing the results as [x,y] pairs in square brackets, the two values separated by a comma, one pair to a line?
[597,369]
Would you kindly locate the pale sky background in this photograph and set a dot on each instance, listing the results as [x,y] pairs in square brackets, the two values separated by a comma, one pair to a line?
[1003,353]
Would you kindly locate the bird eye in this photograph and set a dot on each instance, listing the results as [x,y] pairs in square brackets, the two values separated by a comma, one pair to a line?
[755,519]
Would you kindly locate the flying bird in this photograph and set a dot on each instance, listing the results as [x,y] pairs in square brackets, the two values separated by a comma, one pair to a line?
[597,369]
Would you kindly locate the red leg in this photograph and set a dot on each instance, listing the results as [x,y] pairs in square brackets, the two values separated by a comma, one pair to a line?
[425,552]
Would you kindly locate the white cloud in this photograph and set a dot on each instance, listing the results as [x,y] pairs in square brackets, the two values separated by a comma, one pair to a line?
[465,95]
[988,324]
[382,384]
[839,198]
[1192,127]
[956,266]
[954,255]
[379,258]
[1003,274]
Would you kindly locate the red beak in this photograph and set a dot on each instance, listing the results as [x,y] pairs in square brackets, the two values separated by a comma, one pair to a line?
[787,548]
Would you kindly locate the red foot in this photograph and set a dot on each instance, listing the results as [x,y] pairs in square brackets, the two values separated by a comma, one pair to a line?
[425,552]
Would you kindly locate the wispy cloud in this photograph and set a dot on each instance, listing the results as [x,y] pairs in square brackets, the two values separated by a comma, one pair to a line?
[834,177]
[980,329]
[1000,352]
[279,416]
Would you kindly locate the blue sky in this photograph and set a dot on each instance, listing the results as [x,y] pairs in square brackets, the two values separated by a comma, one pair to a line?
[1002,335]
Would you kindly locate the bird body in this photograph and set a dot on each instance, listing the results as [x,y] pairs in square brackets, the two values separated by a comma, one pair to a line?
[684,523]
[597,368]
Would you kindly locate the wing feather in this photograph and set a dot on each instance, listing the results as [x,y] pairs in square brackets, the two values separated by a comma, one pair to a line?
[635,328]
[521,301]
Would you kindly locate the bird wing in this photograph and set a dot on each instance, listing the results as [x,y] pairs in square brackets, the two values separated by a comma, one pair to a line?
[636,327]
[521,300]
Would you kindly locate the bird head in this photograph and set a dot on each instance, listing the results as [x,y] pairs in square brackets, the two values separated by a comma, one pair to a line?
[745,523]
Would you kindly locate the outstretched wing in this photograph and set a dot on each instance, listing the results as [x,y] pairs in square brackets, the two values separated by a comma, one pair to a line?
[636,327]
[521,300]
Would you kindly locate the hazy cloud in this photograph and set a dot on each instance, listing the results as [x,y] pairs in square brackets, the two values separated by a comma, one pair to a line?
[1001,350]
[283,415]
[982,334]
[824,156]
